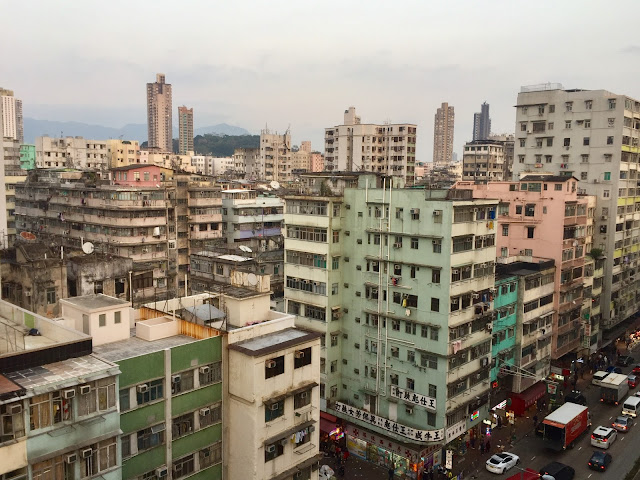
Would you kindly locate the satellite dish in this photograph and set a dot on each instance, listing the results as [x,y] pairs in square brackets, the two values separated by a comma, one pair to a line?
[252,279]
[275,185]
[245,249]
[88,248]
[27,235]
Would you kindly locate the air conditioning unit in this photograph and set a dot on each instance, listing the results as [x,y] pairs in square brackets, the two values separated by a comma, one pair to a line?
[604,217]
[489,325]
[304,394]
[87,452]
[415,211]
[15,409]
[274,407]
[529,132]
[270,448]
[476,295]
[162,472]
[70,393]
[204,412]
[492,290]
[484,362]
[595,180]
[73,458]
[409,410]
[145,250]
[204,370]
[397,245]
[85,389]
[142,388]
[175,378]
[270,364]
[437,213]
[299,354]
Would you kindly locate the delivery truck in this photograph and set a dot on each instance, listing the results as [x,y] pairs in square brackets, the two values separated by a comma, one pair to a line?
[614,388]
[563,426]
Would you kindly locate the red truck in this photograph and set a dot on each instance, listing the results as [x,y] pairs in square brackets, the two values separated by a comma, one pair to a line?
[526,474]
[563,426]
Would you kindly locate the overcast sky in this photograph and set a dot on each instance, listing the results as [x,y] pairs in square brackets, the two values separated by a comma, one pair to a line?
[303,62]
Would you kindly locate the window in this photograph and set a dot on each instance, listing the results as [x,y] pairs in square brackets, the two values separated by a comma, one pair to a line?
[585,141]
[550,126]
[334,289]
[302,357]
[518,209]
[435,304]
[412,272]
[125,400]
[98,287]
[588,104]
[411,384]
[607,175]
[610,140]
[415,214]
[151,437]
[567,142]
[302,399]
[336,236]
[437,246]
[211,455]
[435,276]
[211,373]
[335,263]
[505,230]
[182,382]
[103,457]
[530,231]
[125,440]
[51,296]
[117,317]
[429,360]
[210,415]
[433,390]
[274,367]
[612,104]
[102,320]
[273,451]
[183,466]
[587,124]
[569,106]
[583,176]
[149,392]
[411,355]
[523,142]
[273,410]
[334,339]
[433,334]
[182,425]
[414,243]
[11,421]
[557,187]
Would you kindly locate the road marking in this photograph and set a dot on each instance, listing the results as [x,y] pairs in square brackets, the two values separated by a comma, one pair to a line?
[533,457]
[590,475]
[621,438]
[610,418]
[579,448]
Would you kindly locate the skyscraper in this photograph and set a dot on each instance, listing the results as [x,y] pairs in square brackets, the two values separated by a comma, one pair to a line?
[443,135]
[11,111]
[159,114]
[185,122]
[482,123]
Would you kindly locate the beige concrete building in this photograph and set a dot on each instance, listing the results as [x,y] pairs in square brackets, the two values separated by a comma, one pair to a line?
[247,160]
[71,152]
[484,160]
[443,135]
[159,114]
[123,152]
[185,123]
[275,156]
[388,149]
[11,112]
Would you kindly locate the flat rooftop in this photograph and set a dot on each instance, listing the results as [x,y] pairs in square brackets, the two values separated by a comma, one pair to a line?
[57,372]
[272,342]
[134,346]
[96,301]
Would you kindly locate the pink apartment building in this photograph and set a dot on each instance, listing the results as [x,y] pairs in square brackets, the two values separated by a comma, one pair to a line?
[544,216]
[141,175]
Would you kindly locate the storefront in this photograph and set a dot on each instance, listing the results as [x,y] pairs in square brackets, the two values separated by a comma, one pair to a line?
[407,459]
[520,402]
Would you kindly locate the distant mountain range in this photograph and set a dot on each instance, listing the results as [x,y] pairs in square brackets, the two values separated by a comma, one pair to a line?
[134,131]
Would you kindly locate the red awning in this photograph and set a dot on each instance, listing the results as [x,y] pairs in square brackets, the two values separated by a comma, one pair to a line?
[328,416]
[531,394]
[326,426]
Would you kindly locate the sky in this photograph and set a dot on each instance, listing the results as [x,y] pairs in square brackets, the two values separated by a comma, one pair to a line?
[299,64]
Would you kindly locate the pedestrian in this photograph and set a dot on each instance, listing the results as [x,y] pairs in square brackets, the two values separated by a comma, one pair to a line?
[338,454]
[345,455]
[489,446]
[473,442]
[391,472]
[341,470]
[481,448]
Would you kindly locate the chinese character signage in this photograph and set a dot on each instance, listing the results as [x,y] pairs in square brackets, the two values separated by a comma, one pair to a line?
[412,397]
[456,430]
[391,426]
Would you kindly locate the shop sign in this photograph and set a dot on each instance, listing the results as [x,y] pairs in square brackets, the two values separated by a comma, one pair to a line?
[552,388]
[448,462]
[475,415]
[389,425]
[412,397]
[361,435]
[511,416]
[501,406]
[455,430]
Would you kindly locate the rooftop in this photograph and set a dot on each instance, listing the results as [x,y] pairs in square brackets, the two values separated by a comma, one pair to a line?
[91,302]
[138,165]
[134,346]
[58,372]
[546,178]
[272,342]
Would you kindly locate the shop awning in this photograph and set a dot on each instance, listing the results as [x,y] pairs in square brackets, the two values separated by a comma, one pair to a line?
[327,426]
[521,401]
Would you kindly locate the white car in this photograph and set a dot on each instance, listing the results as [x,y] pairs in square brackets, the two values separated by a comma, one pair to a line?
[501,462]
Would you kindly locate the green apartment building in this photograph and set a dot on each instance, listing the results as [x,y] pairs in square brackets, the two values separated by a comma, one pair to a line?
[406,301]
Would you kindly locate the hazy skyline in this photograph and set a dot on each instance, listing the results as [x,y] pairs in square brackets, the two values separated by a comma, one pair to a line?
[303,63]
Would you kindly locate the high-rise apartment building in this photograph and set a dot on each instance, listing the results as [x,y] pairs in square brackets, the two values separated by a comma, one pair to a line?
[11,112]
[443,135]
[159,114]
[484,160]
[482,123]
[406,305]
[275,156]
[185,123]
[388,149]
[594,136]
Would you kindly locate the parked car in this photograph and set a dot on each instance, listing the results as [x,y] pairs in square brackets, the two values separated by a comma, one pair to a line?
[613,369]
[575,396]
[501,462]
[600,461]
[559,471]
[632,381]
[636,369]
[622,423]
[625,360]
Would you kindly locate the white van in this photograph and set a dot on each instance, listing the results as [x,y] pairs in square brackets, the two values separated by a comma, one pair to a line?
[603,437]
[598,377]
[631,406]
